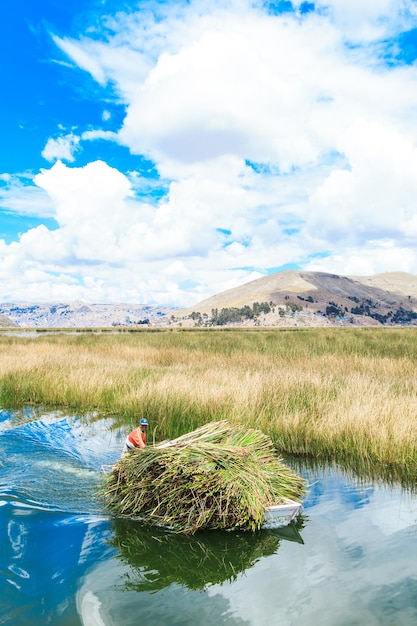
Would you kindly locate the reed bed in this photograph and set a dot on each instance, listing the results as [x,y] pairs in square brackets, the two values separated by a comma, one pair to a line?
[220,476]
[343,394]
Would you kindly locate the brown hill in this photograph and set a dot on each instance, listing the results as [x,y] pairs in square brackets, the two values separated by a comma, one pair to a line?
[5,322]
[382,298]
[397,282]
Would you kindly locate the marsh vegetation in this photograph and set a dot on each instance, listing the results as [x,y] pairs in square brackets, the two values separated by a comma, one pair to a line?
[343,394]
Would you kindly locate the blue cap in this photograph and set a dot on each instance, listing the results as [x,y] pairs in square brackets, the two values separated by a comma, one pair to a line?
[144,422]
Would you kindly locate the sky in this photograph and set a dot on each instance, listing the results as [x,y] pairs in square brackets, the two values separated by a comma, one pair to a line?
[163,151]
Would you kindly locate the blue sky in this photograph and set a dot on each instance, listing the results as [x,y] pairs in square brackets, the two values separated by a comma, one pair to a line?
[161,152]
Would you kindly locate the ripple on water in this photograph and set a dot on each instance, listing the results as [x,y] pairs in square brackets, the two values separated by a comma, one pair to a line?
[63,561]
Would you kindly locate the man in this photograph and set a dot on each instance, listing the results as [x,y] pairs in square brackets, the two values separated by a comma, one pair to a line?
[137,438]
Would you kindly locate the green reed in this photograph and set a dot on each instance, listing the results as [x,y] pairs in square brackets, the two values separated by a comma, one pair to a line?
[344,394]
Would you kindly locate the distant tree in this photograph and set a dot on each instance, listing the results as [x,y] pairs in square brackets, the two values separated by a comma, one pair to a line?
[403,316]
[262,307]
[235,315]
[332,311]
[247,311]
[293,307]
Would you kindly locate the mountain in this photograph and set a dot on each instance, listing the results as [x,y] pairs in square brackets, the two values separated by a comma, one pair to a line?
[397,282]
[314,298]
[289,298]
[80,314]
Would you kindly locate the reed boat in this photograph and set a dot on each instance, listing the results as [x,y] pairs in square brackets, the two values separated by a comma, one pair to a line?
[282,514]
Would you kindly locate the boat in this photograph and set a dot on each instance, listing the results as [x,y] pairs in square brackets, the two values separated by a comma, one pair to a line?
[281,514]
[289,532]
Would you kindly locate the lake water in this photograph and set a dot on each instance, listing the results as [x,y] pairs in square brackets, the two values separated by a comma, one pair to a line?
[351,559]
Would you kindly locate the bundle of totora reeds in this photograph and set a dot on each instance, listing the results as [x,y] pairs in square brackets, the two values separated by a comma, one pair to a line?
[221,475]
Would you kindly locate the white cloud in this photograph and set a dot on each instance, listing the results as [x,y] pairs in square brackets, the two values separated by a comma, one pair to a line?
[245,87]
[62,147]
[277,139]
[81,58]
[373,259]
[91,210]
[19,196]
[106,63]
[375,198]
[117,244]
[364,21]
[106,135]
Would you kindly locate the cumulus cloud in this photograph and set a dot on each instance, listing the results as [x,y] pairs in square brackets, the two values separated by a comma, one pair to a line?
[63,147]
[91,210]
[280,139]
[235,90]
[375,198]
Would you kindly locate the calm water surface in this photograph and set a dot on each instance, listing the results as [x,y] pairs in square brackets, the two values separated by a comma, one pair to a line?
[351,559]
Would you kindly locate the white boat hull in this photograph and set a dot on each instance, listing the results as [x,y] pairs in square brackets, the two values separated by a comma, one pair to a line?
[282,514]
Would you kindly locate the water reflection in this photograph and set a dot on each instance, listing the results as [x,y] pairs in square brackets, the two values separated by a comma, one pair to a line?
[350,561]
[158,559]
[44,556]
[361,470]
[52,529]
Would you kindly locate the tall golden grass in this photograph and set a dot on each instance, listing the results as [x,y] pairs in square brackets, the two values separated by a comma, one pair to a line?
[343,394]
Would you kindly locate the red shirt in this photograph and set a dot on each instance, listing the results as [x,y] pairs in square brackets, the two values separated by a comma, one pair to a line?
[137,438]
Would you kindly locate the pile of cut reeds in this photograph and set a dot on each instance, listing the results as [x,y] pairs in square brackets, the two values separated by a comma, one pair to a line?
[221,475]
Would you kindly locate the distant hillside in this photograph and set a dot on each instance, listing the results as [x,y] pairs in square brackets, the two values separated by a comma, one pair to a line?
[5,322]
[312,298]
[290,298]
[397,282]
[80,314]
